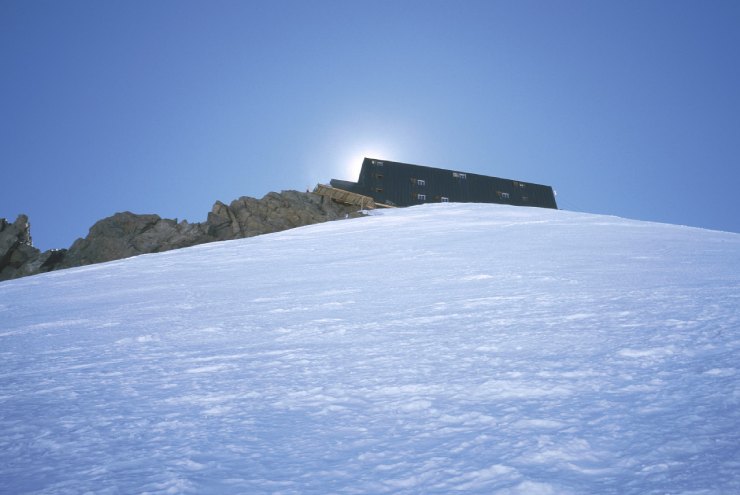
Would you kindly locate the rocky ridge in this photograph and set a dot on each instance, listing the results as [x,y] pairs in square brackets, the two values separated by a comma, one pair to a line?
[127,234]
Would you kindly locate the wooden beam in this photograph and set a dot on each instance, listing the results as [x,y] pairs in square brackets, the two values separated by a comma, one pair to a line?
[346,197]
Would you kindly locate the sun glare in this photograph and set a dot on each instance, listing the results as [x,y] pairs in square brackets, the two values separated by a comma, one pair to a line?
[352,162]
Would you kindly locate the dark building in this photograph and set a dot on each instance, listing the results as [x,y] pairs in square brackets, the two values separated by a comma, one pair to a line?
[403,184]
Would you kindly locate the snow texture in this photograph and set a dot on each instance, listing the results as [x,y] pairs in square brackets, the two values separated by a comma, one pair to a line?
[438,349]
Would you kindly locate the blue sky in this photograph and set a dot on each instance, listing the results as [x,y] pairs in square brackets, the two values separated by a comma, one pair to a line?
[629,108]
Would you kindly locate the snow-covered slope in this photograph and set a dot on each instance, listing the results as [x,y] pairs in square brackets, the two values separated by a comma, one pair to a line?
[438,349]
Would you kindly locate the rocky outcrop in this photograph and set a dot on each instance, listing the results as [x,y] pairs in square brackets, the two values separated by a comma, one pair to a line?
[18,257]
[127,234]
[246,217]
[16,249]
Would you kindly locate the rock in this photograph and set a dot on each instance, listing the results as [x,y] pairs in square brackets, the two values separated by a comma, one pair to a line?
[221,222]
[247,217]
[128,234]
[44,262]
[16,248]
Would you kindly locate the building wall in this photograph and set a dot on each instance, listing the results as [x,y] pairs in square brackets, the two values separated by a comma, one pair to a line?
[403,184]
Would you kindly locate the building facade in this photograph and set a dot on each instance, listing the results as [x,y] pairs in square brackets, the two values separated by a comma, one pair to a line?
[404,184]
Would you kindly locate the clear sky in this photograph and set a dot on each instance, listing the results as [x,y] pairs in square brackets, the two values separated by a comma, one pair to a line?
[630,108]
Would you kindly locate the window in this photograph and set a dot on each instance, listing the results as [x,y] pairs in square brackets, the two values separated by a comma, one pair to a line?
[459,175]
[502,195]
[378,176]
[421,197]
[421,182]
[445,199]
[379,189]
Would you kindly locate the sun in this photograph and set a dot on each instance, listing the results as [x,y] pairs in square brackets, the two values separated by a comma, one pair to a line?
[352,161]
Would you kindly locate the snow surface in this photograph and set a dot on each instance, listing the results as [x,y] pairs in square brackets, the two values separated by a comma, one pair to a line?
[439,349]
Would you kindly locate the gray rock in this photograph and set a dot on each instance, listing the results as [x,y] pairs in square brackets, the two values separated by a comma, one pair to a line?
[246,217]
[128,234]
[43,262]
[16,248]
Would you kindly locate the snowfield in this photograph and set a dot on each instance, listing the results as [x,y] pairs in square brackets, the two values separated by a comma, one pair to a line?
[450,348]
